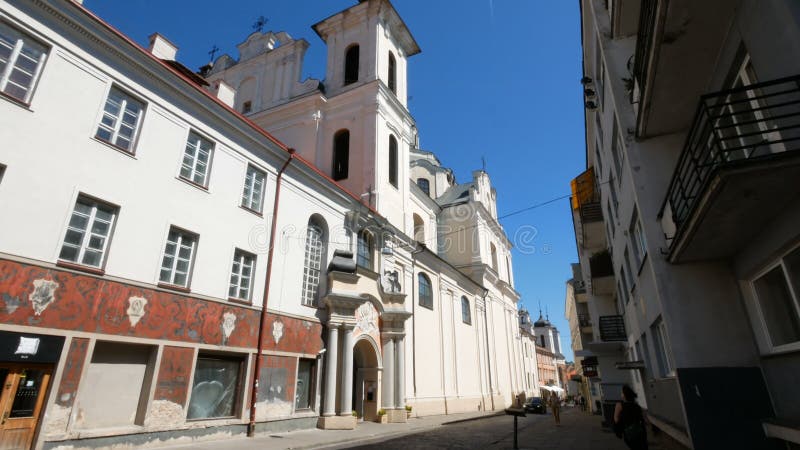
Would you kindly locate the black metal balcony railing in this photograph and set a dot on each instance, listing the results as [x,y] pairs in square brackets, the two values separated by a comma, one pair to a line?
[734,127]
[584,320]
[644,41]
[612,328]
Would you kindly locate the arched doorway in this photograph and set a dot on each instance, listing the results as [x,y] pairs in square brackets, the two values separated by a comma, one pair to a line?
[366,382]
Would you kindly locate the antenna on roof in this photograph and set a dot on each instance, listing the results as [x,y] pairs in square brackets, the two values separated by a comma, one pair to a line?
[259,24]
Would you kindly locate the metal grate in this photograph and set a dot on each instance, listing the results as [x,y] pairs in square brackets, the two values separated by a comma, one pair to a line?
[731,128]
[612,328]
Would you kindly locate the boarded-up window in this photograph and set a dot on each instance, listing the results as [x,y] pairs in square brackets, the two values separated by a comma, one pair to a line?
[114,390]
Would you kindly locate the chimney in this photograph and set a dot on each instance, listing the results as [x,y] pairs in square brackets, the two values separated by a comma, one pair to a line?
[224,92]
[162,48]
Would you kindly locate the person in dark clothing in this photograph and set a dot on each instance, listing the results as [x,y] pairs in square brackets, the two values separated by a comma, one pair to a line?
[629,421]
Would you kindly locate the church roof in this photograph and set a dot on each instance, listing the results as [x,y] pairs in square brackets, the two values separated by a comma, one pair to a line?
[541,322]
[455,195]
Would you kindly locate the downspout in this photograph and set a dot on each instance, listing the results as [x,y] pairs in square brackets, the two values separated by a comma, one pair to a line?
[486,334]
[251,427]
[414,319]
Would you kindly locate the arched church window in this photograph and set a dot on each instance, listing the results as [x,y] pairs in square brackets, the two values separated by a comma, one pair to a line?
[341,155]
[424,185]
[351,64]
[419,229]
[466,315]
[425,291]
[366,247]
[392,78]
[392,160]
[314,256]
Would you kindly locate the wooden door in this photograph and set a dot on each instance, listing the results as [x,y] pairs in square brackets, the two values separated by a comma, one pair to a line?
[21,401]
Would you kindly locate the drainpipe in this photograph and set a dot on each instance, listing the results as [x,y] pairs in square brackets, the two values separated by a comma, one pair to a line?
[251,427]
[486,334]
[413,318]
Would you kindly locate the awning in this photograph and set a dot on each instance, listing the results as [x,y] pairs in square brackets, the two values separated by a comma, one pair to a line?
[552,388]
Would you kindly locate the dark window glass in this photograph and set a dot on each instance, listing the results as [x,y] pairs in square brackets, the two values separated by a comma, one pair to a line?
[351,65]
[465,311]
[305,375]
[393,161]
[216,388]
[341,155]
[392,73]
[425,185]
[365,248]
[425,291]
[30,383]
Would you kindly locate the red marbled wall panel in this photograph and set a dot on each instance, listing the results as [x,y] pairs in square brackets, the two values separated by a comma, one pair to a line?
[300,336]
[278,379]
[73,367]
[173,374]
[92,304]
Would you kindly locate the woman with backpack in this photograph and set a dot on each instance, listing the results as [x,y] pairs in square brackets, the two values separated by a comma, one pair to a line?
[629,421]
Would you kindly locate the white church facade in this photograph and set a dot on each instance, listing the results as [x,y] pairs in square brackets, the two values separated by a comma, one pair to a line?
[246,250]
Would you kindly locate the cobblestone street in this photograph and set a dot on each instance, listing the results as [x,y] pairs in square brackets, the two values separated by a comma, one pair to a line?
[578,431]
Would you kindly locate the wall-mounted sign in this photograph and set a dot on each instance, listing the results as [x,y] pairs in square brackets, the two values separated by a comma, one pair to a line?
[27,346]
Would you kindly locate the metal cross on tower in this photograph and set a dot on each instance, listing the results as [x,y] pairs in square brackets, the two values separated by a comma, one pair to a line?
[259,24]
[213,51]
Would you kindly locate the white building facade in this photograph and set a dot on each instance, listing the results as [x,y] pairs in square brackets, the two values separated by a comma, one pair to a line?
[241,253]
[686,217]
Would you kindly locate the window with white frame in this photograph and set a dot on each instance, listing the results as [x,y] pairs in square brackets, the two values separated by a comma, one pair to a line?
[197,159]
[242,271]
[122,116]
[88,233]
[253,195]
[425,291]
[312,267]
[637,238]
[176,265]
[777,298]
[365,249]
[466,314]
[659,332]
[21,62]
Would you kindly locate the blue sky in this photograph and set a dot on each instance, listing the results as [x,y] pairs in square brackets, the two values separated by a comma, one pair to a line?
[496,79]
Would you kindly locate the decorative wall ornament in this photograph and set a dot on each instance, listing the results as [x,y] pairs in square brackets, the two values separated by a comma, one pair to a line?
[390,282]
[277,330]
[228,323]
[366,318]
[136,309]
[43,294]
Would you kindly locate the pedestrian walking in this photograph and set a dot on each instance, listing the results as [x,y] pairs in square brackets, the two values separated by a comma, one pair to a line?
[630,421]
[555,406]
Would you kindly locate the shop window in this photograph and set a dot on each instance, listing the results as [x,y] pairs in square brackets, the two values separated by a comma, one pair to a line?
[216,387]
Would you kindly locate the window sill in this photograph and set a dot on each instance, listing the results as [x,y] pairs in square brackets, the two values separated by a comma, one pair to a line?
[174,287]
[781,350]
[115,147]
[16,101]
[240,301]
[192,183]
[252,211]
[426,307]
[80,267]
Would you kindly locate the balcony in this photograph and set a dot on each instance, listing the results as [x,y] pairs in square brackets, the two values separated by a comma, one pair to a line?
[671,62]
[612,329]
[601,271]
[584,322]
[738,169]
[587,215]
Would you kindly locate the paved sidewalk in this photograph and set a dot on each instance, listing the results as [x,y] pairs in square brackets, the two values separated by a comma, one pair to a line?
[315,438]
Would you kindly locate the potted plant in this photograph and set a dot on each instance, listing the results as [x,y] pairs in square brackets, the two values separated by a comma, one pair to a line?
[382,416]
[408,411]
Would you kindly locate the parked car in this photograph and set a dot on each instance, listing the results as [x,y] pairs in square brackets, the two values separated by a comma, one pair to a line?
[535,405]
